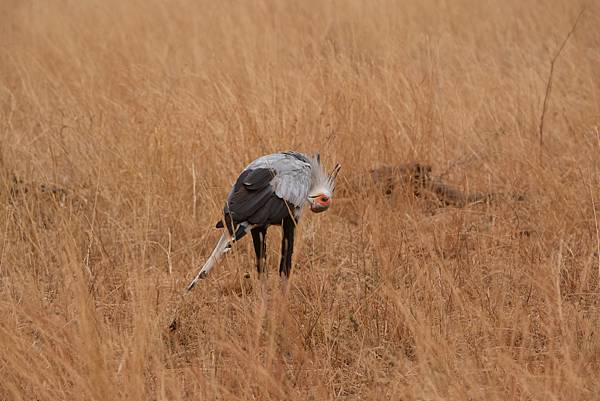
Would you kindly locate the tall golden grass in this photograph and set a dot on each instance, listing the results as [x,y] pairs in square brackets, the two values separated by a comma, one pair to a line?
[144,112]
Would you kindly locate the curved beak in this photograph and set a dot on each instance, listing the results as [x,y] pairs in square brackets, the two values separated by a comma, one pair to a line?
[318,208]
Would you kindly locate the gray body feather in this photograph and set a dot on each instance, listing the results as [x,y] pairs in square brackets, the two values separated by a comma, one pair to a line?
[292,175]
[268,190]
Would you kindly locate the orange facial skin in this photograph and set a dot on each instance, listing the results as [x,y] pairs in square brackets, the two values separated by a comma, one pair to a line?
[320,203]
[323,200]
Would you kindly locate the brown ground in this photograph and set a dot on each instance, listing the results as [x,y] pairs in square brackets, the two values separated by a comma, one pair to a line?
[142,113]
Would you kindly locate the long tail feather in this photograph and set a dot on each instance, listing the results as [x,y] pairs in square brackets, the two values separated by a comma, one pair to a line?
[222,247]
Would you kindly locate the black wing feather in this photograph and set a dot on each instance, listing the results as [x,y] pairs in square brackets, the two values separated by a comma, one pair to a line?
[272,212]
[244,203]
[252,199]
[258,178]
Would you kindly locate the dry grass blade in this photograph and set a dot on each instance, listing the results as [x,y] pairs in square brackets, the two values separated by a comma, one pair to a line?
[550,76]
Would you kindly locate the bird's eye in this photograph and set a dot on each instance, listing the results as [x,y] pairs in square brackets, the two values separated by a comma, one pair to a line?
[324,198]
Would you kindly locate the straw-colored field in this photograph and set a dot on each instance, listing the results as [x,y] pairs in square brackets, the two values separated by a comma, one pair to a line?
[141,114]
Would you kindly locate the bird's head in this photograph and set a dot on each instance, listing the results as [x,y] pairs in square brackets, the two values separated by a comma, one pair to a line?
[321,193]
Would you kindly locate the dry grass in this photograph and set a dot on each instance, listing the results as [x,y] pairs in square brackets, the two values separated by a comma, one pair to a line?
[145,112]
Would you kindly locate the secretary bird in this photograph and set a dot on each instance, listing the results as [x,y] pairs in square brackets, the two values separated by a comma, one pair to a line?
[272,190]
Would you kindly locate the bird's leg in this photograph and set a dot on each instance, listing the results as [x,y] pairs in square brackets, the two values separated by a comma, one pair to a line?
[259,239]
[259,235]
[287,247]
